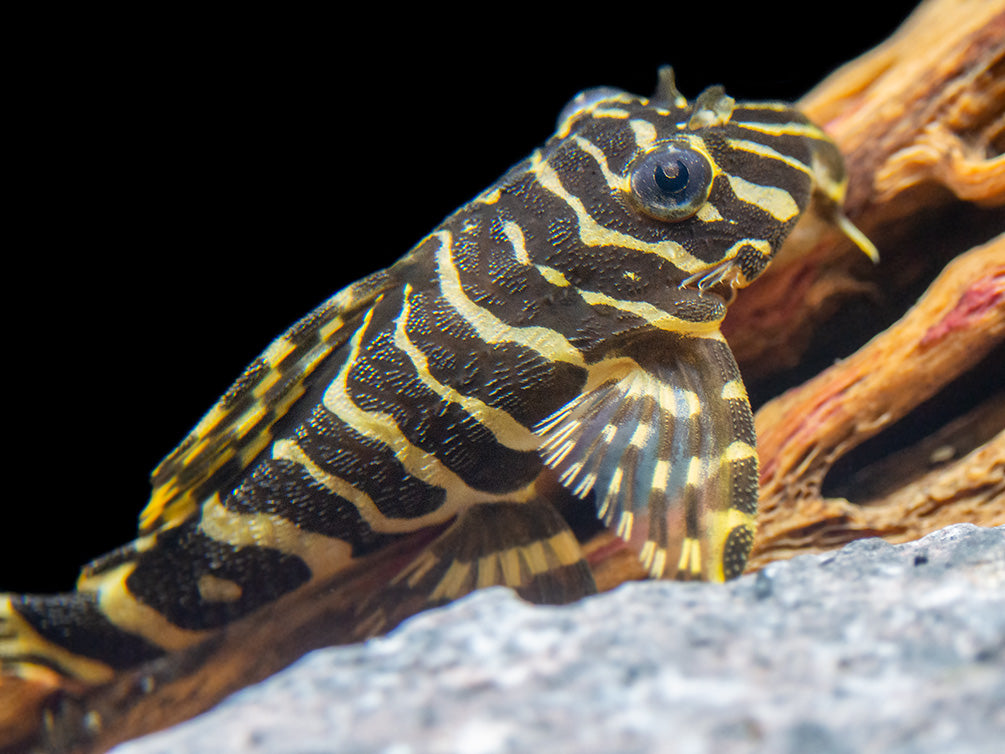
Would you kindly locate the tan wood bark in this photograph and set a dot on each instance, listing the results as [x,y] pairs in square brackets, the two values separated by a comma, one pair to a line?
[801,433]
[921,121]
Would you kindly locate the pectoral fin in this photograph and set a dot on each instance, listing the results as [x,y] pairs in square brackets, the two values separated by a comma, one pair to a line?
[668,453]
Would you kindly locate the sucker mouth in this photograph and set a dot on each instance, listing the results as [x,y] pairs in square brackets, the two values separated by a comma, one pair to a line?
[724,291]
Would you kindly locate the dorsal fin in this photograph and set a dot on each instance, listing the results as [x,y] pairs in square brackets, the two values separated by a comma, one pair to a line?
[712,108]
[239,427]
[666,93]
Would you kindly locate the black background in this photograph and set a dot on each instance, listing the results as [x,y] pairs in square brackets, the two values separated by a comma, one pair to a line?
[182,189]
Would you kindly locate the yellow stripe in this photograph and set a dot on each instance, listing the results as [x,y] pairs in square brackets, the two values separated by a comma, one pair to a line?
[695,472]
[215,589]
[644,132]
[775,201]
[490,197]
[611,112]
[277,351]
[733,390]
[722,522]
[666,399]
[328,330]
[452,582]
[690,556]
[416,462]
[417,569]
[642,309]
[19,639]
[784,129]
[507,430]
[661,475]
[647,552]
[691,400]
[548,343]
[509,561]
[765,151]
[247,421]
[625,523]
[614,181]
[323,555]
[566,125]
[659,565]
[778,107]
[288,450]
[653,314]
[553,276]
[122,608]
[209,421]
[487,571]
[592,233]
[534,557]
[640,437]
[739,451]
[707,213]
[759,244]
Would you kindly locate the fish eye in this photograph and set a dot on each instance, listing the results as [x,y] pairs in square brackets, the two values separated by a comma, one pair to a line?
[670,181]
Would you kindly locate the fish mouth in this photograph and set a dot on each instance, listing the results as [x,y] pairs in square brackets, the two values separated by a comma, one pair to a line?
[721,281]
[721,294]
[724,291]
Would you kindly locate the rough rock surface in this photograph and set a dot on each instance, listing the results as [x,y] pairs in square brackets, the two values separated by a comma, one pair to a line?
[873,648]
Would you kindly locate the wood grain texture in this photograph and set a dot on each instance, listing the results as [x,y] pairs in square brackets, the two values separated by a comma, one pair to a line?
[803,432]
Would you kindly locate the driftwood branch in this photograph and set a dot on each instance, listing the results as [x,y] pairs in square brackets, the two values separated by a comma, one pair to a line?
[803,432]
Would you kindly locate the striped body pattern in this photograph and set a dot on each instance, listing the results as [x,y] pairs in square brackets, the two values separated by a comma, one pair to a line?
[552,346]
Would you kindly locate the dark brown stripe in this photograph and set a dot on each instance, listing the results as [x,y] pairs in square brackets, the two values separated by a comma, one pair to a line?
[743,473]
[368,465]
[505,376]
[383,379]
[736,551]
[167,577]
[76,623]
[284,488]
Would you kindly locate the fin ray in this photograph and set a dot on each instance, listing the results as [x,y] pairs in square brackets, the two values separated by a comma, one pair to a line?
[667,452]
[235,430]
[526,546]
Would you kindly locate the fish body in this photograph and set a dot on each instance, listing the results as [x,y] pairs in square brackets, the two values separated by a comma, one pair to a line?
[552,347]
